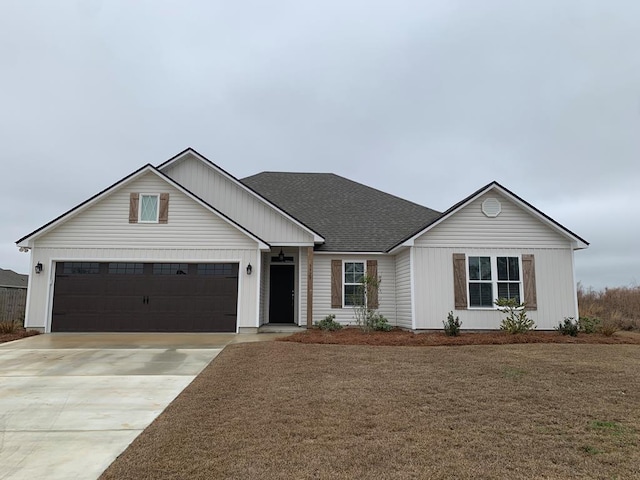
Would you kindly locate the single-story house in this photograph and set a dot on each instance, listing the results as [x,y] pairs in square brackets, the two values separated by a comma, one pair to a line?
[186,246]
[13,295]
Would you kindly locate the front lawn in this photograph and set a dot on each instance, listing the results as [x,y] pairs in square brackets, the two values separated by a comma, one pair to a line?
[288,410]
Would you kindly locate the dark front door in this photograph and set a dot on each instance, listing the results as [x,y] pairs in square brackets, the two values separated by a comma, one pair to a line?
[282,294]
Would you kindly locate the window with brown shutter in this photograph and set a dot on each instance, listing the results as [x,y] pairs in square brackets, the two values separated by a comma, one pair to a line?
[148,208]
[489,278]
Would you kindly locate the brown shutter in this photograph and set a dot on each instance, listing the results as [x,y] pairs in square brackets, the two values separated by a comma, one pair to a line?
[336,283]
[163,216]
[529,282]
[372,292]
[133,207]
[460,281]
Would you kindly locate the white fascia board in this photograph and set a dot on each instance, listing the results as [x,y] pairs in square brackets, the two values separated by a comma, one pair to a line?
[28,240]
[189,151]
[410,242]
[262,245]
[400,248]
[292,244]
[575,241]
[351,253]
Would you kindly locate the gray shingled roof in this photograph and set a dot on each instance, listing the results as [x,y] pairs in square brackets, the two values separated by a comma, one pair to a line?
[9,278]
[349,215]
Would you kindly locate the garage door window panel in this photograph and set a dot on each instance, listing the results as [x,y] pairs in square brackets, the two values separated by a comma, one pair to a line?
[170,268]
[218,269]
[81,268]
[126,268]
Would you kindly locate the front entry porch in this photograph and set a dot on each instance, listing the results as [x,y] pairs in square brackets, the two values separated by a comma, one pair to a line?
[286,292]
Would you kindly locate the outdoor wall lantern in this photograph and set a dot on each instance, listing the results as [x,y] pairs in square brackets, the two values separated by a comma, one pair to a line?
[38,268]
[281,256]
[249,269]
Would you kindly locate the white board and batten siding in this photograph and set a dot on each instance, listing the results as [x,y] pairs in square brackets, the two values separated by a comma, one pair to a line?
[236,202]
[403,289]
[435,295]
[513,232]
[102,233]
[345,315]
[264,288]
[302,286]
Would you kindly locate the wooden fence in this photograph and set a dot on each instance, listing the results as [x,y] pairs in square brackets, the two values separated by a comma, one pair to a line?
[12,304]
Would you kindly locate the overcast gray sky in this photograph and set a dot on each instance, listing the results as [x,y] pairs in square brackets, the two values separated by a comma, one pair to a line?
[425,100]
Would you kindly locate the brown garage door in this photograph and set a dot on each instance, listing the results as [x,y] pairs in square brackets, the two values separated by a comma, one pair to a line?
[145,297]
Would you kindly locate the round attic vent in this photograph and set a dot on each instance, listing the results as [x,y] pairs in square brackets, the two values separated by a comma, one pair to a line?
[491,207]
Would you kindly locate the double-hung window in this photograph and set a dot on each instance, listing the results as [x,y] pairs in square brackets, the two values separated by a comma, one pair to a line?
[353,284]
[491,278]
[508,269]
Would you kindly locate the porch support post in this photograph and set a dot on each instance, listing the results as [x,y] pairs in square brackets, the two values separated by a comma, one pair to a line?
[309,287]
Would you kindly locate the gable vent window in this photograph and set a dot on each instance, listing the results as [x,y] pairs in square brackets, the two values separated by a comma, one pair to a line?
[148,208]
[491,207]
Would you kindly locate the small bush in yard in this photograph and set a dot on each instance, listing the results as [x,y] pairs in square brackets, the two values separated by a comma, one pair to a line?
[589,324]
[568,327]
[517,320]
[329,323]
[9,327]
[378,322]
[608,328]
[452,325]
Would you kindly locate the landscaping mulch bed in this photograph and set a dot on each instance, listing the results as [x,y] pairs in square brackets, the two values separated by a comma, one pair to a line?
[397,337]
[273,410]
[21,333]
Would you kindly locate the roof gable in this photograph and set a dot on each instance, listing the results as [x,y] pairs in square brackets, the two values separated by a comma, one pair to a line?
[576,241]
[27,240]
[352,217]
[270,205]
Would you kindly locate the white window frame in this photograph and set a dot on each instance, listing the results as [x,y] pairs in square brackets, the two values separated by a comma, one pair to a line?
[157,196]
[494,279]
[344,283]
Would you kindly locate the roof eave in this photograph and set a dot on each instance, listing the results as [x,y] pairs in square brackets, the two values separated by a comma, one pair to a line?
[317,238]
[28,240]
[577,242]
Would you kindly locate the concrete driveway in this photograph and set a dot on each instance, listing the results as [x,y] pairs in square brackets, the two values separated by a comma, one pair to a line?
[71,403]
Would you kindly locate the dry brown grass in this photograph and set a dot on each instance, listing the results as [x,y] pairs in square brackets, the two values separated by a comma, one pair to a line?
[355,336]
[288,410]
[614,306]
